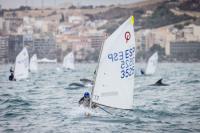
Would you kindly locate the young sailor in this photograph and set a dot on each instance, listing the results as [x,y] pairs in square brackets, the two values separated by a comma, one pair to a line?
[85,101]
[11,77]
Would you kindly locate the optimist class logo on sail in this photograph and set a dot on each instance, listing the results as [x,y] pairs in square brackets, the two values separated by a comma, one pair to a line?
[127,36]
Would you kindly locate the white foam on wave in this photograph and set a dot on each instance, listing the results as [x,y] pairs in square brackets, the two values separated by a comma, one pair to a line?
[82,112]
[58,69]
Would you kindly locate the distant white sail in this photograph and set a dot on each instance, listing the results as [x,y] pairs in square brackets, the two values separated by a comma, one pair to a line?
[33,63]
[68,61]
[21,65]
[114,82]
[152,64]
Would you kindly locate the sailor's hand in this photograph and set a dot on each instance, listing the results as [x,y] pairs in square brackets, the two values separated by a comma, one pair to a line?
[94,105]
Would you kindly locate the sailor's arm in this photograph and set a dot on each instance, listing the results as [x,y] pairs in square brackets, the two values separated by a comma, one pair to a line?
[81,101]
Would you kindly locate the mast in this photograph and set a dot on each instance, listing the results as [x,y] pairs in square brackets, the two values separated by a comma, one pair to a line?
[95,76]
[23,41]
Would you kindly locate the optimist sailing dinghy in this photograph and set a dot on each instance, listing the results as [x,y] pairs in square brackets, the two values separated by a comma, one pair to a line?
[152,64]
[150,67]
[114,81]
[33,63]
[68,61]
[21,65]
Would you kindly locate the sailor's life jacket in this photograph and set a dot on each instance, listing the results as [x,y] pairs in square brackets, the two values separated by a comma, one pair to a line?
[85,101]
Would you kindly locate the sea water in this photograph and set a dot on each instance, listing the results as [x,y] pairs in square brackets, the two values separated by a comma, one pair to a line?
[44,103]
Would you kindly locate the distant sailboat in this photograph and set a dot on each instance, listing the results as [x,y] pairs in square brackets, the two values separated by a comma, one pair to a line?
[21,65]
[114,82]
[68,61]
[33,63]
[152,64]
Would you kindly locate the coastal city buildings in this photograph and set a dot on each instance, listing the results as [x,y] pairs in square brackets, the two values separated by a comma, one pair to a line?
[15,45]
[171,39]
[53,32]
[45,46]
[3,49]
[185,51]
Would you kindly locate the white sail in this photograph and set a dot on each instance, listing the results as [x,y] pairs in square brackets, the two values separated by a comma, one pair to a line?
[68,61]
[21,65]
[115,75]
[33,63]
[152,64]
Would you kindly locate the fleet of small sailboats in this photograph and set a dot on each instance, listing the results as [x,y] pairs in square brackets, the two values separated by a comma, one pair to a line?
[22,65]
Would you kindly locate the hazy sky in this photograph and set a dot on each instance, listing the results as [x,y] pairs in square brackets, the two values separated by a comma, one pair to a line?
[47,3]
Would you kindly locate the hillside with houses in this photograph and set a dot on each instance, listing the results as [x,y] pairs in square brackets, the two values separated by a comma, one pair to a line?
[170,27]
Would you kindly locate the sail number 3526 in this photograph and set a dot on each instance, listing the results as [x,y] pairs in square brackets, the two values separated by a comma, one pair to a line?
[127,68]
